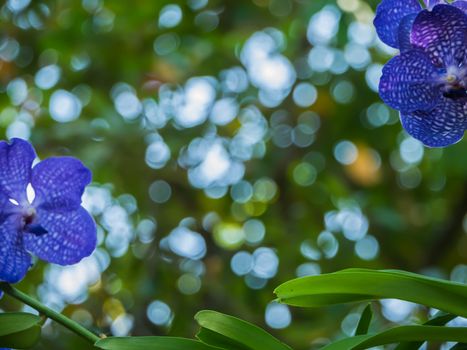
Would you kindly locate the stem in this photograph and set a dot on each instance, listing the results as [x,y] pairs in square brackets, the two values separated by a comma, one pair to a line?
[57,317]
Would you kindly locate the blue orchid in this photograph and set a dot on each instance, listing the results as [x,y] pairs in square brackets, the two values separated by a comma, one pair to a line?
[53,225]
[427,82]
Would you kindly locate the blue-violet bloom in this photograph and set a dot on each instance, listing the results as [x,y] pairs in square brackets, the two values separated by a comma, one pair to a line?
[53,225]
[427,82]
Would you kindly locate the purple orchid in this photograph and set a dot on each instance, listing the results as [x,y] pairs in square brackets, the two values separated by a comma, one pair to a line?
[53,226]
[427,82]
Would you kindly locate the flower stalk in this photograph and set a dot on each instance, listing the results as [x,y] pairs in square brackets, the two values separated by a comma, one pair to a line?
[44,310]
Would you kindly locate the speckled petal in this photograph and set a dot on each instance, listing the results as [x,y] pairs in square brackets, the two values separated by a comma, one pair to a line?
[461,4]
[389,15]
[14,259]
[15,168]
[441,33]
[431,3]
[440,127]
[405,28]
[409,82]
[6,208]
[70,236]
[59,183]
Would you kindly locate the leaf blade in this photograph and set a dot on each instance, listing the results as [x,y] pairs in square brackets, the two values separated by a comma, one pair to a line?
[13,322]
[247,334]
[365,320]
[144,343]
[401,334]
[218,340]
[440,319]
[19,330]
[354,285]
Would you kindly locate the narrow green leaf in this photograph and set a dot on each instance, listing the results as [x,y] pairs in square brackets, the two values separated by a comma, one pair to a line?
[218,340]
[22,340]
[399,334]
[364,322]
[354,285]
[241,332]
[13,322]
[440,319]
[19,330]
[146,343]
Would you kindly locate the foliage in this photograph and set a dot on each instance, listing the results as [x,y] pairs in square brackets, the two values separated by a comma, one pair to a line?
[220,331]
[231,333]
[21,330]
[360,284]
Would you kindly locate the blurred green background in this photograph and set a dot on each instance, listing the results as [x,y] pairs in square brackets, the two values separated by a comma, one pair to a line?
[234,145]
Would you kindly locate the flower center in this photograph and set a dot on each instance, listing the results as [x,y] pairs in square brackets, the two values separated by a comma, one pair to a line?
[29,215]
[455,83]
[29,224]
[451,78]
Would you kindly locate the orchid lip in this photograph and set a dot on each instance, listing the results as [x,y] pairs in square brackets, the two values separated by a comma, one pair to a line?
[28,216]
[455,94]
[29,223]
[36,229]
[454,83]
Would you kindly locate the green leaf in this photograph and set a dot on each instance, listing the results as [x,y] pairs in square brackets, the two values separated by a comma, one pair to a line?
[241,334]
[146,343]
[440,319]
[354,285]
[364,322]
[399,334]
[218,340]
[19,330]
